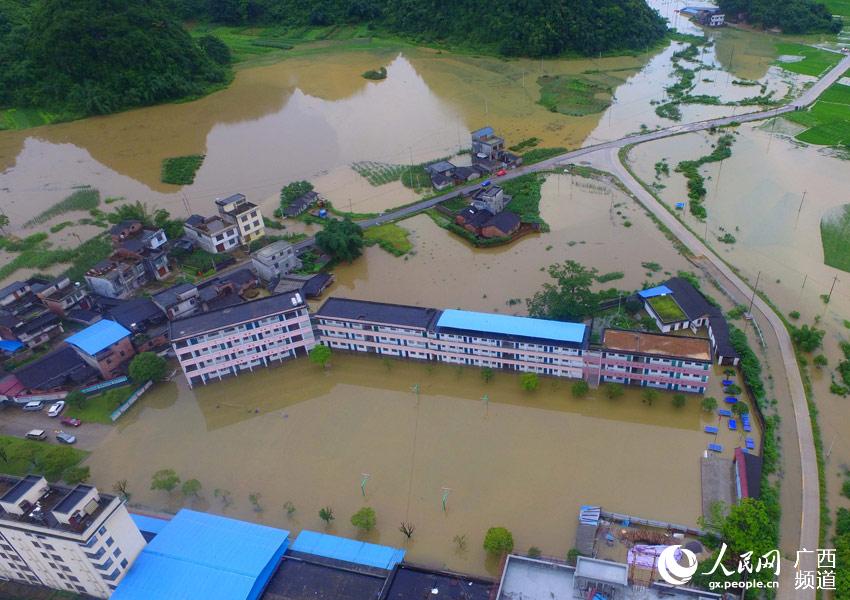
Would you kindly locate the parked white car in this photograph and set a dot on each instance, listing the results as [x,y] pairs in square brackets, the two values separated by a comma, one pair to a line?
[33,406]
[55,409]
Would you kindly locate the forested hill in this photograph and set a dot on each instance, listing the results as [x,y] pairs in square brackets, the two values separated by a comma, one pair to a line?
[100,56]
[791,16]
[510,27]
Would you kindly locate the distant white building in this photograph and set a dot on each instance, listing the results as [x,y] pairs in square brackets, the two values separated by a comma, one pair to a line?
[66,538]
[214,234]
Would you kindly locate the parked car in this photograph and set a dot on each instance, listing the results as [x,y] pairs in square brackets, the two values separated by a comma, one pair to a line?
[33,406]
[36,434]
[71,421]
[55,409]
[65,438]
[501,173]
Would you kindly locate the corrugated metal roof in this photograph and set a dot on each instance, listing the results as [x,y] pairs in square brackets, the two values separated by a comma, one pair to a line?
[10,345]
[149,524]
[659,290]
[510,325]
[353,551]
[198,556]
[95,338]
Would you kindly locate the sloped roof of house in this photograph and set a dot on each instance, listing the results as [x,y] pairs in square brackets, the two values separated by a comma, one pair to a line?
[509,325]
[377,312]
[55,369]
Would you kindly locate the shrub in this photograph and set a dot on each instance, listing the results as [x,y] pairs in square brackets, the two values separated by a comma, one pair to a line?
[794,314]
[807,339]
[364,519]
[529,381]
[147,366]
[498,541]
[614,391]
[580,388]
[679,400]
[709,404]
[535,552]
[820,361]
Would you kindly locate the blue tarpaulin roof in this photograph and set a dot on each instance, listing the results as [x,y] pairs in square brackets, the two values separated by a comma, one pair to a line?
[660,290]
[95,338]
[10,345]
[509,325]
[338,548]
[198,556]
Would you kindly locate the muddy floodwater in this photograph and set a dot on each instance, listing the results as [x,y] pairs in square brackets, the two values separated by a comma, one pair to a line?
[757,195]
[523,460]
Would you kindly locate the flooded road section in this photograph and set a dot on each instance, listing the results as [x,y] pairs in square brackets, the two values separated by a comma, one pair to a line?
[523,460]
[588,225]
[757,195]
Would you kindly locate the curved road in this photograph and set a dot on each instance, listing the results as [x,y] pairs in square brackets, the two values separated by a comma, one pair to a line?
[606,157]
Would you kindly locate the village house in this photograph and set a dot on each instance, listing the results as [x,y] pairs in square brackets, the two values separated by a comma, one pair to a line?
[466,174]
[245,214]
[23,317]
[147,245]
[489,154]
[301,204]
[117,276]
[123,230]
[178,301]
[483,223]
[309,286]
[61,296]
[105,346]
[275,260]
[441,173]
[214,234]
[491,198]
[62,368]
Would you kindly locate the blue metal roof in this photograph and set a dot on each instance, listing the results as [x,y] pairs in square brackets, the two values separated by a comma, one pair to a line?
[509,325]
[660,290]
[10,345]
[95,338]
[198,556]
[338,548]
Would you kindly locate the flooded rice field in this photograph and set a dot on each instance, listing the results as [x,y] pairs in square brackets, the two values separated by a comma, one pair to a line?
[757,195]
[588,224]
[523,460]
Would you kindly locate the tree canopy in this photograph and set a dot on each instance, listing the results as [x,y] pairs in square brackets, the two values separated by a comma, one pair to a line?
[342,239]
[100,56]
[569,297]
[791,16]
[147,366]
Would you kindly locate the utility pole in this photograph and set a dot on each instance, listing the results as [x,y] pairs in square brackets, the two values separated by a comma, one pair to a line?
[801,204]
[753,299]
[829,296]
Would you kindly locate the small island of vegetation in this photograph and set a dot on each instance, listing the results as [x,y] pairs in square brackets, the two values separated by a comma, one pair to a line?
[791,16]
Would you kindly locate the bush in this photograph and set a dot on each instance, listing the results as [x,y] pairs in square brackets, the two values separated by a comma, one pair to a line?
[579,389]
[794,314]
[498,541]
[820,361]
[845,488]
[807,339]
[529,381]
[535,552]
[679,400]
[709,404]
[76,399]
[614,391]
[364,519]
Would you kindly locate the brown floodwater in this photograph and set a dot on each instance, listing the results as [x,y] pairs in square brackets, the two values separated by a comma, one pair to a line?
[526,461]
[757,195]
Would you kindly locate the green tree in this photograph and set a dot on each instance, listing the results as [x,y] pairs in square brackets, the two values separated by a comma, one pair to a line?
[120,488]
[529,381]
[4,222]
[580,389]
[191,487]
[293,191]
[820,361]
[498,541]
[341,239]
[147,366]
[750,527]
[320,355]
[739,409]
[326,514]
[614,391]
[650,395]
[55,461]
[165,480]
[364,519]
[709,404]
[487,374]
[569,297]
[679,400]
[807,339]
[76,398]
[215,49]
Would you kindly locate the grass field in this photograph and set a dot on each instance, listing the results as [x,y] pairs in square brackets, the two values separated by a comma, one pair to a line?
[391,237]
[181,170]
[19,457]
[525,198]
[839,7]
[835,237]
[98,409]
[828,121]
[666,308]
[815,63]
[576,95]
[23,118]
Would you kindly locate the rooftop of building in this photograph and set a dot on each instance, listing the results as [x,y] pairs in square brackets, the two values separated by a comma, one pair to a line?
[55,370]
[657,344]
[210,225]
[751,471]
[410,581]
[441,166]
[133,313]
[377,312]
[347,550]
[203,556]
[98,336]
[233,315]
[230,199]
[13,287]
[118,228]
[689,298]
[508,325]
[55,498]
[268,252]
[304,578]
[172,295]
[241,208]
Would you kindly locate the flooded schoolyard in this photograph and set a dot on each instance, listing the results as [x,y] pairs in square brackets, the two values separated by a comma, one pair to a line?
[771,196]
[524,460]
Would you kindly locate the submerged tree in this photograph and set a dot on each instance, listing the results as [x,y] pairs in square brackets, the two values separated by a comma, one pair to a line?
[165,479]
[364,519]
[341,239]
[326,514]
[529,381]
[320,355]
[569,297]
[498,541]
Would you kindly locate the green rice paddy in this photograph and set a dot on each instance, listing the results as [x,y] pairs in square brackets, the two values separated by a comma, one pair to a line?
[815,62]
[835,237]
[828,121]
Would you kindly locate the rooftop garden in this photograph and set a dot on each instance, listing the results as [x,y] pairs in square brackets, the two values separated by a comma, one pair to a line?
[667,309]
